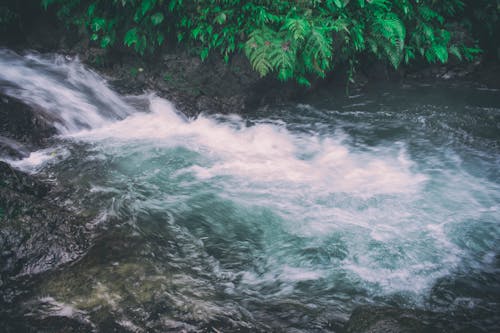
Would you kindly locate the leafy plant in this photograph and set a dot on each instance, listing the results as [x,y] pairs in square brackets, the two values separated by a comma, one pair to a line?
[291,39]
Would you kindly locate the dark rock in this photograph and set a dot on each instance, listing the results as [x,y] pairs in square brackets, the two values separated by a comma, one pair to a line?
[22,128]
[386,319]
[35,233]
[471,296]
[195,86]
[20,182]
[47,324]
[488,74]
[373,319]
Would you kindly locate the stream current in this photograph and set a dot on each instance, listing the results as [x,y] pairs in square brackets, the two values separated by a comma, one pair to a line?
[283,218]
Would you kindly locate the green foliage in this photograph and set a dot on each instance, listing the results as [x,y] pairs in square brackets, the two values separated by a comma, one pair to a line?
[291,39]
[387,37]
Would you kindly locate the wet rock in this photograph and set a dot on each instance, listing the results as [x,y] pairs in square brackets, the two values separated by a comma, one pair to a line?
[24,123]
[195,86]
[385,319]
[22,128]
[16,183]
[373,319]
[48,324]
[35,233]
[471,296]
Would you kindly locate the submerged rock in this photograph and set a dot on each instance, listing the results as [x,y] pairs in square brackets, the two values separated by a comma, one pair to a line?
[375,319]
[35,233]
[386,319]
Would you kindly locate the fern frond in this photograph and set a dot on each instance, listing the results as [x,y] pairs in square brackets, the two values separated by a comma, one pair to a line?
[455,50]
[409,54]
[317,52]
[372,45]
[283,61]
[340,25]
[428,32]
[298,28]
[382,4]
[388,34]
[260,62]
[357,37]
[393,29]
[257,50]
[437,52]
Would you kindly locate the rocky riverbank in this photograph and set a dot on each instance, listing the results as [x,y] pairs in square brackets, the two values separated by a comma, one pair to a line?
[36,233]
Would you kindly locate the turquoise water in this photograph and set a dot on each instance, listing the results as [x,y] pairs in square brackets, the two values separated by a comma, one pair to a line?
[285,218]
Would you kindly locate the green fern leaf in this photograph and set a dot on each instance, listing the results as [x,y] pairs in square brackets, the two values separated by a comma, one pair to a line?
[283,61]
[318,51]
[299,28]
[441,52]
[455,50]
[257,50]
[383,4]
[388,35]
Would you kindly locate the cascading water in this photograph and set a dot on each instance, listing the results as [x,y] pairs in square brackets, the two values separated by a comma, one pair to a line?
[72,95]
[285,220]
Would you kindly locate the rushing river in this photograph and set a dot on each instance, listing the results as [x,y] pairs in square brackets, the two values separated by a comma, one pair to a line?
[284,218]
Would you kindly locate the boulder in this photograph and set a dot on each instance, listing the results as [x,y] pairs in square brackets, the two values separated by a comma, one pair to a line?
[23,128]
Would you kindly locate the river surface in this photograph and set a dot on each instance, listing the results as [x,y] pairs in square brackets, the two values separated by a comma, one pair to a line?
[288,217]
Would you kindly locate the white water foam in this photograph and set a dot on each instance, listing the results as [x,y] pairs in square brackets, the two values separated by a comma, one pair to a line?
[304,179]
[37,160]
[267,153]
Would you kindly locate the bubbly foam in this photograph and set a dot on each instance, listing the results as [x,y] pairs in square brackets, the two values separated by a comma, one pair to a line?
[37,160]
[317,185]
[267,153]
